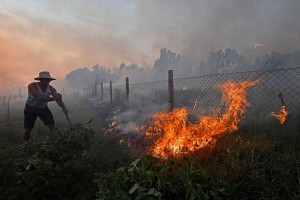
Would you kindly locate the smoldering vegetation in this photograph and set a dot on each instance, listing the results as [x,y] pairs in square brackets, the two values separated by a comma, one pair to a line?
[202,97]
[148,89]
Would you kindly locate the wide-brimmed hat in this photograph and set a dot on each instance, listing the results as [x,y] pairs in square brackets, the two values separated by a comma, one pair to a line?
[44,75]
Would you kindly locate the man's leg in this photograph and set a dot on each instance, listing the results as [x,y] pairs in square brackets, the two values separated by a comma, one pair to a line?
[26,134]
[29,121]
[47,117]
[51,127]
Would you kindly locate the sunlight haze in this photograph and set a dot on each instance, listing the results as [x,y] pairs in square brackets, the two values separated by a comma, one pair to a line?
[60,36]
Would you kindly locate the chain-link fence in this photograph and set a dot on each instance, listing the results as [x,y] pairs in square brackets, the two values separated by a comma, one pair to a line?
[198,94]
[11,106]
[201,96]
[263,97]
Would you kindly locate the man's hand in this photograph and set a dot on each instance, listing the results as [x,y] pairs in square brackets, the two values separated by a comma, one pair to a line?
[57,96]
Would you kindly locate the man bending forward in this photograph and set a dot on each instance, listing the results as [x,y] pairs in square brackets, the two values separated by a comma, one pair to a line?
[39,94]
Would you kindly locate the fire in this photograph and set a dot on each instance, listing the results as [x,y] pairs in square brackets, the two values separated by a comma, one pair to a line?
[175,136]
[110,127]
[281,116]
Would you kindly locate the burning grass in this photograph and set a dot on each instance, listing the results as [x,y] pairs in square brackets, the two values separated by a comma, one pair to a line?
[281,115]
[175,136]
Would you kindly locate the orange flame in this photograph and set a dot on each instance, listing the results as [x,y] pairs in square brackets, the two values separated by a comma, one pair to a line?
[281,116]
[175,136]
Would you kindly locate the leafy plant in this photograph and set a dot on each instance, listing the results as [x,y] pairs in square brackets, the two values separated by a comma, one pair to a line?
[150,178]
[60,166]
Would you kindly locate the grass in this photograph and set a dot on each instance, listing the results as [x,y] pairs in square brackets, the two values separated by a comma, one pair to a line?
[245,165]
[262,166]
[248,164]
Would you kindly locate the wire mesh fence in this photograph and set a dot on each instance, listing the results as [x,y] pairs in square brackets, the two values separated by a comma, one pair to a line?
[263,97]
[201,96]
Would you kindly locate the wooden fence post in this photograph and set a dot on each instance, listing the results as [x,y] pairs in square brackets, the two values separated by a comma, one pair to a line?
[101,90]
[170,90]
[127,90]
[8,114]
[95,90]
[110,91]
[4,99]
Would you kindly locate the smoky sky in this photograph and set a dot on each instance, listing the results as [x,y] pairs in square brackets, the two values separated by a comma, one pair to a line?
[61,36]
[197,27]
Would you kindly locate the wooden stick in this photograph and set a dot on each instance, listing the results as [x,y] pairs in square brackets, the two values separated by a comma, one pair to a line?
[67,116]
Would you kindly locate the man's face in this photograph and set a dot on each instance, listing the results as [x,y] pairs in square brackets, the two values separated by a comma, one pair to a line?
[45,81]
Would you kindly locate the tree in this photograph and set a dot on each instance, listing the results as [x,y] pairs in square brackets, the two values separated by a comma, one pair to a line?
[170,60]
[227,61]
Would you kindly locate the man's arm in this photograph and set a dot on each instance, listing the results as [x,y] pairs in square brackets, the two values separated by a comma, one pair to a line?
[32,89]
[59,101]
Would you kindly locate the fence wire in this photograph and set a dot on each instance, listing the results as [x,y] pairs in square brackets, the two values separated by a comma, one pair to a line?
[201,96]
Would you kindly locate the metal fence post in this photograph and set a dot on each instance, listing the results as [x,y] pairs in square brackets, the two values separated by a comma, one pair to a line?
[170,90]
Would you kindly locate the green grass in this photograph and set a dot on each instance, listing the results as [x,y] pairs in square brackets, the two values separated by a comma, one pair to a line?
[261,165]
[84,163]
[243,165]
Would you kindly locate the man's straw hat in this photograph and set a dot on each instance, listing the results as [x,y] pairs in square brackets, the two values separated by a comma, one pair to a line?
[44,75]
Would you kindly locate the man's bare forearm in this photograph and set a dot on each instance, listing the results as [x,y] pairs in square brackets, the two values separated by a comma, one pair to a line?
[45,99]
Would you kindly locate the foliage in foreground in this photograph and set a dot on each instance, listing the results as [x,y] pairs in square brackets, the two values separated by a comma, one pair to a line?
[59,166]
[251,166]
[56,167]
[80,164]
[258,166]
[150,178]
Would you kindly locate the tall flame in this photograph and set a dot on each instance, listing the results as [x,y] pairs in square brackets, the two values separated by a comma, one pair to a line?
[175,136]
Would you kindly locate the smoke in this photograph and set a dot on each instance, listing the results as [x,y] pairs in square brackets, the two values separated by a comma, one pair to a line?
[198,27]
[133,119]
[60,36]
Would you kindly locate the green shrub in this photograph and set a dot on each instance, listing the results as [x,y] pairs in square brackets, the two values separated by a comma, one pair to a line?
[150,178]
[60,166]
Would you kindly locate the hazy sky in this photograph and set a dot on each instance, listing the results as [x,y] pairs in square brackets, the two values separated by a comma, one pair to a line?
[62,35]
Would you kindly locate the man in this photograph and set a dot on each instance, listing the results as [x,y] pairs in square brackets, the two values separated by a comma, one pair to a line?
[39,94]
